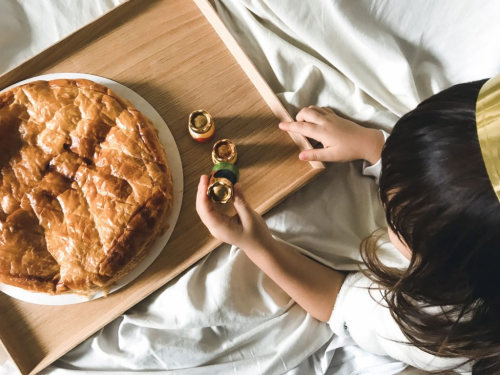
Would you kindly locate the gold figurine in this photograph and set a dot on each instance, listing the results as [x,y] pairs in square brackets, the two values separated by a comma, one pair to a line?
[224,151]
[222,179]
[201,126]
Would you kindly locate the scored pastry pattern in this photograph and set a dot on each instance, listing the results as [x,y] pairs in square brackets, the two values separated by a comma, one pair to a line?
[85,187]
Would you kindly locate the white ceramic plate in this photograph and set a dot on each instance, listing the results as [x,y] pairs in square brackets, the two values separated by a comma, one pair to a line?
[174,161]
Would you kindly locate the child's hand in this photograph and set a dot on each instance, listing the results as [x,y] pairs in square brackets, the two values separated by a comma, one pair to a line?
[247,229]
[343,140]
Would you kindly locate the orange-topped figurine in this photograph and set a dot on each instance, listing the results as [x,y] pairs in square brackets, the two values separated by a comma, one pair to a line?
[201,126]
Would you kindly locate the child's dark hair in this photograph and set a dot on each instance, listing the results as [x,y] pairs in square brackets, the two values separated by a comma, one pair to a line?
[440,202]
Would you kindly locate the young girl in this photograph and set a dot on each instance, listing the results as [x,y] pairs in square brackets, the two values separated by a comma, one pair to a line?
[440,187]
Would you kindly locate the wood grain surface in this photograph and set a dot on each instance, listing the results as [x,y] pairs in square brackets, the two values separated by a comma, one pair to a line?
[167,52]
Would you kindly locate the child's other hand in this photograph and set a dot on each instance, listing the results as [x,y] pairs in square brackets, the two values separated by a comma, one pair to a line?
[247,229]
[343,140]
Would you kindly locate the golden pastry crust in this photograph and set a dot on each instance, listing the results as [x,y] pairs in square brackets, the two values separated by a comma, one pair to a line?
[85,187]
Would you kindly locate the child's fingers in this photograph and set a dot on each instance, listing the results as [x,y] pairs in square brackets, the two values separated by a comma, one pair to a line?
[328,110]
[320,154]
[203,205]
[305,128]
[310,115]
[320,110]
[240,204]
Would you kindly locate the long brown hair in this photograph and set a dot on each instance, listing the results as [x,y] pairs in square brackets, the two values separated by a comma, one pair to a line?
[440,202]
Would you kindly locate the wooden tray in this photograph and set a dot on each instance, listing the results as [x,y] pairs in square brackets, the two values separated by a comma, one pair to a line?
[168,53]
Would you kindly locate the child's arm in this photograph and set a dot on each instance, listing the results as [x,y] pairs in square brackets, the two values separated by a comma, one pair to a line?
[311,284]
[343,140]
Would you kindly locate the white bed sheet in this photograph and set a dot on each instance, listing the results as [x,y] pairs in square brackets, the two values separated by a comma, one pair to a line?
[28,27]
[372,61]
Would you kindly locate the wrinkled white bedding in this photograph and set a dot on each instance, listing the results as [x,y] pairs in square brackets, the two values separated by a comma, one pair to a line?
[372,61]
[28,27]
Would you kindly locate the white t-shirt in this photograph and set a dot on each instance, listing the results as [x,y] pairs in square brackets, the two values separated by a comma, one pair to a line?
[361,313]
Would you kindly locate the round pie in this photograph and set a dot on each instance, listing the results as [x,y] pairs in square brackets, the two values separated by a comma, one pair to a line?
[85,188]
